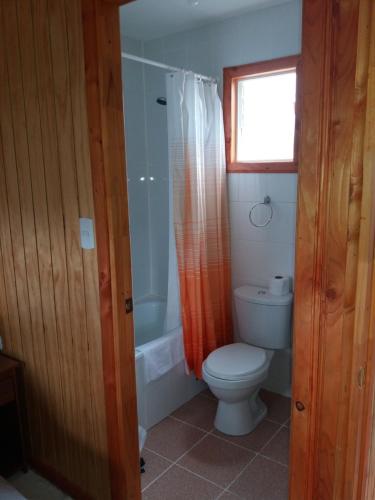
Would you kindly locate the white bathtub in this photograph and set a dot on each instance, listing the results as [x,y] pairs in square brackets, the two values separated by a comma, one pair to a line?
[157,399]
[148,320]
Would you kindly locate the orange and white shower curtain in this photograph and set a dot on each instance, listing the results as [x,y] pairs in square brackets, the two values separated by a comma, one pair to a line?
[200,215]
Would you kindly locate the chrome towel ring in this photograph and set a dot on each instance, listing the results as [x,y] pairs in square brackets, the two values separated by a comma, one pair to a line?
[266,202]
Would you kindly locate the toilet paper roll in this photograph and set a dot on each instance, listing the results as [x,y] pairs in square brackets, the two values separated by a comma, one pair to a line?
[279,285]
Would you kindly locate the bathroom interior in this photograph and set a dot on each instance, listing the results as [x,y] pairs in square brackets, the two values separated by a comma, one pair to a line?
[214,423]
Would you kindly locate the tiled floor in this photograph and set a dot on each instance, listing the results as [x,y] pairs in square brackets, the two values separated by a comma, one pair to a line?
[188,459]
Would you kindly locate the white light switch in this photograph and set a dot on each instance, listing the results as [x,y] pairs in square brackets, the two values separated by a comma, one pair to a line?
[87,233]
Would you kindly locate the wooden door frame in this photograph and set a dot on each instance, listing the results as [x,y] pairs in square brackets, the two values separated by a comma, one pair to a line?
[315,467]
[102,47]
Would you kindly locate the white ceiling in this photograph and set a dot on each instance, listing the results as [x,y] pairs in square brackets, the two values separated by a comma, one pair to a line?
[149,19]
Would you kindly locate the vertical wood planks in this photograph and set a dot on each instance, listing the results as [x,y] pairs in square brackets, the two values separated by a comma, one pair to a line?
[366,312]
[334,253]
[49,304]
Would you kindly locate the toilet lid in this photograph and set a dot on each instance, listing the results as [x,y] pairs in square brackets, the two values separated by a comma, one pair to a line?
[235,361]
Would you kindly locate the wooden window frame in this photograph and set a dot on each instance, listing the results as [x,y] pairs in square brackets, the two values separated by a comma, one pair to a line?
[231,77]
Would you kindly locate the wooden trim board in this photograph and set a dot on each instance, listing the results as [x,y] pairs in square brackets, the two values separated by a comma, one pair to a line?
[107,147]
[366,480]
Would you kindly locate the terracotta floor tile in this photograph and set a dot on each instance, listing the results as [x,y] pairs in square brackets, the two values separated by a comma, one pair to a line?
[216,460]
[262,480]
[254,440]
[278,406]
[199,411]
[278,448]
[179,484]
[229,496]
[171,438]
[154,466]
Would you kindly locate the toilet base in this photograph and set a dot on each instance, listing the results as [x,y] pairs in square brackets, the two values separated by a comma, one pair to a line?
[237,419]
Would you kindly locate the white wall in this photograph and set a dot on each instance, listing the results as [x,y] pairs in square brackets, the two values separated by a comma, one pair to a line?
[260,253]
[259,35]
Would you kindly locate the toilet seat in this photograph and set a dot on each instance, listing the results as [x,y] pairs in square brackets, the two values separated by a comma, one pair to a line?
[237,361]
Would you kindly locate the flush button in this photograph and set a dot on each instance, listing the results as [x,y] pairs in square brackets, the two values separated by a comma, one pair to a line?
[261,292]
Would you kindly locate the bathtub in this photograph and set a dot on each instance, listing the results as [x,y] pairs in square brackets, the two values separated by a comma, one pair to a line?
[159,398]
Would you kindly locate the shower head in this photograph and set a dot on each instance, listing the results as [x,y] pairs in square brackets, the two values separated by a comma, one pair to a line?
[162,101]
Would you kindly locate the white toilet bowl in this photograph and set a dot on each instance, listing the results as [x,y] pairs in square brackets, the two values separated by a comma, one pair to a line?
[234,374]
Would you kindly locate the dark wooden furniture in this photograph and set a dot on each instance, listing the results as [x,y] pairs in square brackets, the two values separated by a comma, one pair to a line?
[12,442]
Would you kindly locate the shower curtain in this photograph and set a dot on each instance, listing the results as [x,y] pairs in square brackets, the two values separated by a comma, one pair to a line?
[200,218]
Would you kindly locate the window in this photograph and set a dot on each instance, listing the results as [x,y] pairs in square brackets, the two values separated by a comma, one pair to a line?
[260,116]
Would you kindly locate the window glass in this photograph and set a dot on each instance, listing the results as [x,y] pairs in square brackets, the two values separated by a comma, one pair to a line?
[266,118]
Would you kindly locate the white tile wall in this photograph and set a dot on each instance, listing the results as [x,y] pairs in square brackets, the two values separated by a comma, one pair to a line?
[260,253]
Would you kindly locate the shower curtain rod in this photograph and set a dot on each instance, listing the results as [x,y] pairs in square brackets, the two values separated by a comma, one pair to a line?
[125,55]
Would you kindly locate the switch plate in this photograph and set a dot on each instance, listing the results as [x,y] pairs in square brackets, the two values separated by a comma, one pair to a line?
[87,233]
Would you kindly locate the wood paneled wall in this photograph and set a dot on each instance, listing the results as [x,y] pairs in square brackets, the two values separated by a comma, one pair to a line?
[49,298]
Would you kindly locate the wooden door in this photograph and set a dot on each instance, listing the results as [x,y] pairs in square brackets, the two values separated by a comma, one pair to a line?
[333,375]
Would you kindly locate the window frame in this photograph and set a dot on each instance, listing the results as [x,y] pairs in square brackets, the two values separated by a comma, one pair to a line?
[231,77]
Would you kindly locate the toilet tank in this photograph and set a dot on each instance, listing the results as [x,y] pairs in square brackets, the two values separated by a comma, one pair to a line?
[264,320]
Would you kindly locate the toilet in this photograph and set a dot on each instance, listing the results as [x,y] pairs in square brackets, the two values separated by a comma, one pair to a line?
[235,372]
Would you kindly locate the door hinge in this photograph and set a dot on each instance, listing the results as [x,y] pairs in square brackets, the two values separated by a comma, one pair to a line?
[361,377]
[129,305]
